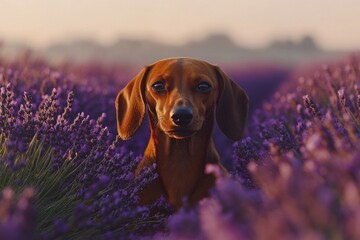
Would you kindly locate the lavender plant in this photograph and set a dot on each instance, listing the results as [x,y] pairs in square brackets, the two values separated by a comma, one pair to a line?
[17,217]
[295,175]
[82,181]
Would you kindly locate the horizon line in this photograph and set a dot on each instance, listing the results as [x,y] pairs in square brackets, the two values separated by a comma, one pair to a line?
[226,36]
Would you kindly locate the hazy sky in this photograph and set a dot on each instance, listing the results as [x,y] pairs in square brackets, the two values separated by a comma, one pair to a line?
[334,23]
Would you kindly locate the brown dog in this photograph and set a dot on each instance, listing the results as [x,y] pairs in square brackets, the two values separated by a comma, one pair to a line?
[182,96]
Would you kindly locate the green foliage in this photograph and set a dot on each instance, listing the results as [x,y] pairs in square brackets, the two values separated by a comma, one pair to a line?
[52,200]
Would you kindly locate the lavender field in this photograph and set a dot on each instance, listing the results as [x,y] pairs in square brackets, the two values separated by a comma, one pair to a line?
[65,175]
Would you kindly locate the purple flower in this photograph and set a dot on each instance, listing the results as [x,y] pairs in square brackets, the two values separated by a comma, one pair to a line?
[294,175]
[17,217]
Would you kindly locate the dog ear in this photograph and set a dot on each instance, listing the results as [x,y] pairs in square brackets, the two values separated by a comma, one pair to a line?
[232,106]
[130,105]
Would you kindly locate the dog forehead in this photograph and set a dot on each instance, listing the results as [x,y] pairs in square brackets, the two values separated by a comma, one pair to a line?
[182,67]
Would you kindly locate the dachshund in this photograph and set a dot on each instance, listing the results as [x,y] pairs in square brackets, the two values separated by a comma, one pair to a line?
[183,96]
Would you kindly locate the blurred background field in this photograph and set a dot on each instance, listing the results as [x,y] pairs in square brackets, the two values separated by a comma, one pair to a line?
[139,32]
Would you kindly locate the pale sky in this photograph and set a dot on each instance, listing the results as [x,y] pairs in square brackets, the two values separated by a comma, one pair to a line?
[334,23]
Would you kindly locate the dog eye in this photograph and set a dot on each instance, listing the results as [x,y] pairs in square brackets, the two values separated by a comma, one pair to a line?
[203,87]
[159,86]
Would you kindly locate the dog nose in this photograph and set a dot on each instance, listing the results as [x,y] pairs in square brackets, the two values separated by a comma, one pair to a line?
[182,116]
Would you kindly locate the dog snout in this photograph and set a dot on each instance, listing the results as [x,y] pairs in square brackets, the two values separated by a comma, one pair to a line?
[181,115]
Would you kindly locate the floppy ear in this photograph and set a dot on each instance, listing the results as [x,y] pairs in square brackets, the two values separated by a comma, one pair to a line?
[130,105]
[232,107]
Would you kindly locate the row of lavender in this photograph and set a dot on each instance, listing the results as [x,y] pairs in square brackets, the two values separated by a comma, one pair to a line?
[294,176]
[63,167]
[297,174]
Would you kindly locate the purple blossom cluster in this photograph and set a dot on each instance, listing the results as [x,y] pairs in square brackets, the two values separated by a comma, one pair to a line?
[17,216]
[82,178]
[295,174]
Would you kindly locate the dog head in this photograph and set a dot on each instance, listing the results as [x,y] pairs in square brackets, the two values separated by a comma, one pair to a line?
[181,94]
